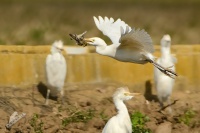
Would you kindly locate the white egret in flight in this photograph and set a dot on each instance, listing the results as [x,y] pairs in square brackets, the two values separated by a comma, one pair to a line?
[56,69]
[129,45]
[120,123]
[163,83]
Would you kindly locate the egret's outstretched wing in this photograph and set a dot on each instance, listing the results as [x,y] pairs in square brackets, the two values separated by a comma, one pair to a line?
[112,29]
[136,39]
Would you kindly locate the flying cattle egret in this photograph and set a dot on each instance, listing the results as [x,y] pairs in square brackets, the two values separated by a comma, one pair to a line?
[129,45]
[120,123]
[56,69]
[163,83]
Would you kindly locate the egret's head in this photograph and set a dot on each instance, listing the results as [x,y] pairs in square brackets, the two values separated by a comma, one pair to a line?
[57,46]
[95,41]
[123,94]
[166,41]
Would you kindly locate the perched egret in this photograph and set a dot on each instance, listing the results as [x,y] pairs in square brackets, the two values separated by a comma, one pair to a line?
[56,69]
[163,83]
[129,45]
[120,123]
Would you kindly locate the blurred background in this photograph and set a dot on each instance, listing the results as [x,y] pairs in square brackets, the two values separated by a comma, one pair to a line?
[36,22]
[29,27]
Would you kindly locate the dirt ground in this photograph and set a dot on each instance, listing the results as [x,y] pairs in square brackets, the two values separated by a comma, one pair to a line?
[96,99]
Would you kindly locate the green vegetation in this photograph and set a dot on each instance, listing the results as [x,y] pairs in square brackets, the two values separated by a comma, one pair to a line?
[138,122]
[78,116]
[103,116]
[187,117]
[37,35]
[36,123]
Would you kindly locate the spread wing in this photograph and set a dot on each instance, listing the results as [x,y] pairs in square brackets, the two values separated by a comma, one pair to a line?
[136,39]
[112,29]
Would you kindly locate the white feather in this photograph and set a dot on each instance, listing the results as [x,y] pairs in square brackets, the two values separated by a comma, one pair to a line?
[120,123]
[163,83]
[111,28]
[56,69]
[129,45]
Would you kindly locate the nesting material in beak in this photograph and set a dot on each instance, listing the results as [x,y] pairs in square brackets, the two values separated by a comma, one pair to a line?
[79,39]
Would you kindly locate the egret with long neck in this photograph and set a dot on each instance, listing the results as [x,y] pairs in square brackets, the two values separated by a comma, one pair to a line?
[128,45]
[56,69]
[120,123]
[163,83]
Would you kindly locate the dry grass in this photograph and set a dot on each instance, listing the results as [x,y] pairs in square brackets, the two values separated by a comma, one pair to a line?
[36,23]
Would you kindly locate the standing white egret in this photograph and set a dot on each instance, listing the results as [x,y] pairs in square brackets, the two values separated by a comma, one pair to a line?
[120,123]
[56,70]
[129,45]
[163,83]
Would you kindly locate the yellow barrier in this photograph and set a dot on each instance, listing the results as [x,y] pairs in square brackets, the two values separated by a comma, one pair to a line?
[23,66]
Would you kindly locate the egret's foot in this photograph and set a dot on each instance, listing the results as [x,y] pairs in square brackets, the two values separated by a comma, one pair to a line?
[47,102]
[60,100]
[169,73]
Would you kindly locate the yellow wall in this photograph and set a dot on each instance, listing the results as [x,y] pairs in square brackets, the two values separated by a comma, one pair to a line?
[23,66]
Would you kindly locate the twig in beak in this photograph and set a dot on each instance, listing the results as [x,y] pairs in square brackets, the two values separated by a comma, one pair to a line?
[79,38]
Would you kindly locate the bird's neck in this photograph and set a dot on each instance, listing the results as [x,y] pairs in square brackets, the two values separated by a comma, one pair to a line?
[121,107]
[54,51]
[101,48]
[106,50]
[165,52]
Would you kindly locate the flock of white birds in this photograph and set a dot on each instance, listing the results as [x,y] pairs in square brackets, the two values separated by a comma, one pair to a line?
[129,45]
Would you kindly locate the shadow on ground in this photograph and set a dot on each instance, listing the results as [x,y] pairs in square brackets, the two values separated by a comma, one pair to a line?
[42,88]
[148,92]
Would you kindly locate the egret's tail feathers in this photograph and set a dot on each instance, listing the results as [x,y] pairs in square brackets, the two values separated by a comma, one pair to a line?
[166,71]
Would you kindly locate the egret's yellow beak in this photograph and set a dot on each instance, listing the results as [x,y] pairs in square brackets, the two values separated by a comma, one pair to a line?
[132,94]
[88,40]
